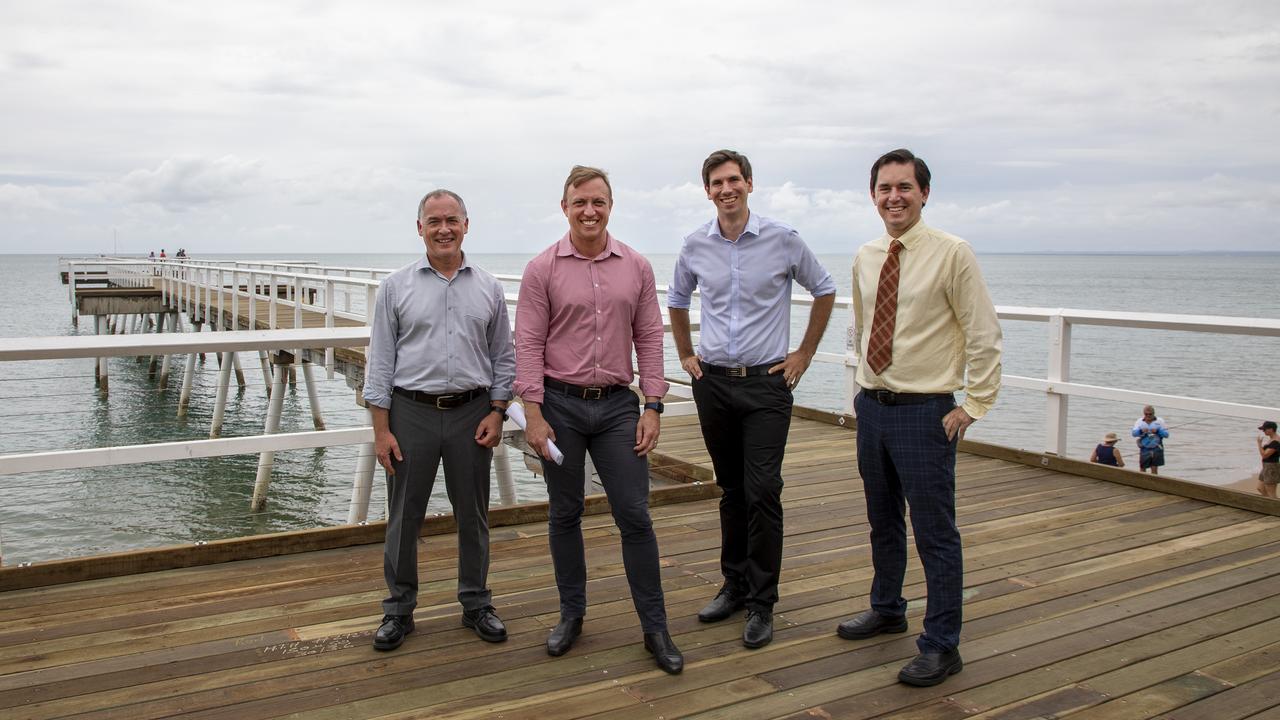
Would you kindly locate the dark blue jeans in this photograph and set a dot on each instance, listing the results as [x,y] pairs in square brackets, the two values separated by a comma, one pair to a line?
[607,429]
[904,457]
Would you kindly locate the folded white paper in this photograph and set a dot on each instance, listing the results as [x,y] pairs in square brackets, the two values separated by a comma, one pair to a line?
[516,413]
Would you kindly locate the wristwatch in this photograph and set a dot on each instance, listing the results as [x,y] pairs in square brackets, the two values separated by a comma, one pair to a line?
[655,406]
[500,410]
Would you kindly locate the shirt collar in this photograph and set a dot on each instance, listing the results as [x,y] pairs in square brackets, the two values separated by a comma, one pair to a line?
[424,264]
[752,228]
[910,239]
[565,247]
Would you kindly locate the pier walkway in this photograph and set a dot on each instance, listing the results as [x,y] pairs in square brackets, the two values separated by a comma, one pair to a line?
[1086,598]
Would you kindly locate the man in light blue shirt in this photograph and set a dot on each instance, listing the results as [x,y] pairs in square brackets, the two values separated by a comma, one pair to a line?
[438,377]
[743,375]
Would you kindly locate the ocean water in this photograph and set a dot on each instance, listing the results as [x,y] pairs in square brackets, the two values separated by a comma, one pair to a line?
[53,404]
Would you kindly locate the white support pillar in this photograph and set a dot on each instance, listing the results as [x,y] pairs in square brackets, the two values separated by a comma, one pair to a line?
[153,366]
[362,483]
[100,327]
[188,376]
[502,469]
[313,397]
[267,459]
[1059,371]
[220,401]
[235,362]
[172,319]
[266,370]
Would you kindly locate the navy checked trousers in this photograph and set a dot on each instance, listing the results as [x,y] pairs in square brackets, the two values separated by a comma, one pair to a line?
[904,457]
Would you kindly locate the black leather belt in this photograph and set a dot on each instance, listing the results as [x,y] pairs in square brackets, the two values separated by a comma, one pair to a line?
[579,391]
[738,371]
[888,397]
[442,402]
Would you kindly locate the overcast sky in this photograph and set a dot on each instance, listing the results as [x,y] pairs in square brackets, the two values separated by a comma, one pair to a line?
[316,126]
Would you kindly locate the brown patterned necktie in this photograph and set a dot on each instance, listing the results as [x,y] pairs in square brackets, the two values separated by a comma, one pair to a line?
[880,346]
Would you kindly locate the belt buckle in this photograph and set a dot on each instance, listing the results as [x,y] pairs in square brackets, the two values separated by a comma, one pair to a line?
[736,371]
[445,402]
[886,397]
[592,393]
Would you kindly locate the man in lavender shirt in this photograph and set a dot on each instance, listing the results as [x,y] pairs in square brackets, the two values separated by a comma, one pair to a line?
[584,302]
[743,374]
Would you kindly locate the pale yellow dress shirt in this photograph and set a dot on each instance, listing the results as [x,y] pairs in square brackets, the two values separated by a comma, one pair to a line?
[946,325]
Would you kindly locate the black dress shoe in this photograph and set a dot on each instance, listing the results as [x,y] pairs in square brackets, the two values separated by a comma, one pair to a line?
[392,631]
[486,624]
[664,652]
[759,629]
[727,602]
[562,637]
[870,623]
[931,668]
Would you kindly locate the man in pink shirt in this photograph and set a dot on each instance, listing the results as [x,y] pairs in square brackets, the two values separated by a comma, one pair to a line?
[584,302]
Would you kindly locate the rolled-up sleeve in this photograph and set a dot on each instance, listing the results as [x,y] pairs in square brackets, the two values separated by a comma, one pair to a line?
[683,282]
[380,355]
[810,273]
[532,319]
[501,350]
[647,331]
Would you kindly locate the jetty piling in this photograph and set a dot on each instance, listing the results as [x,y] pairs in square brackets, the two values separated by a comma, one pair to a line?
[267,458]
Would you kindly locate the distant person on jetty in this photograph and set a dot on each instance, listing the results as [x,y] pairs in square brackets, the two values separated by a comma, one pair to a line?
[162,255]
[1269,449]
[584,302]
[1151,432]
[440,368]
[1106,453]
[926,328]
[744,264]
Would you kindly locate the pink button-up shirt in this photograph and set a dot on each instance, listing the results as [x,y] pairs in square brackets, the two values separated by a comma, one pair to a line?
[578,317]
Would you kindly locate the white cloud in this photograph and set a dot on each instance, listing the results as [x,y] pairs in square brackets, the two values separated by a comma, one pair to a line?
[179,184]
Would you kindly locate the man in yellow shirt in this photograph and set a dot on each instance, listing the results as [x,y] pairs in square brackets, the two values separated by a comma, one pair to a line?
[926,328]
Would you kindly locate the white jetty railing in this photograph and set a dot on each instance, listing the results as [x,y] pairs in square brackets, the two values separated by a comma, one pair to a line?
[282,284]
[229,295]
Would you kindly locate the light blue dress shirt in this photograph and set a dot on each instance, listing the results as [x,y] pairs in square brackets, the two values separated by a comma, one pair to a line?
[746,289]
[439,336]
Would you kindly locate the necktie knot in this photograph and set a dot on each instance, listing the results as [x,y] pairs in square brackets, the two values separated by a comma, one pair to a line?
[895,247]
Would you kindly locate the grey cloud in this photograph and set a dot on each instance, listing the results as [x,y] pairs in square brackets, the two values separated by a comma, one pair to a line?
[180,184]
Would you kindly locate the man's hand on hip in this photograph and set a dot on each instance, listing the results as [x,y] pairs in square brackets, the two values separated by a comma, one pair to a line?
[792,367]
[955,423]
[386,447]
[692,364]
[647,430]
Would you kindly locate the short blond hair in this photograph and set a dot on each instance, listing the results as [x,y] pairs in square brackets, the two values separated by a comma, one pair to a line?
[581,174]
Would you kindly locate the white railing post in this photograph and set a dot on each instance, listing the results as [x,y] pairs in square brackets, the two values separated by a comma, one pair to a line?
[253,300]
[329,308]
[235,300]
[272,301]
[1059,371]
[850,366]
[71,290]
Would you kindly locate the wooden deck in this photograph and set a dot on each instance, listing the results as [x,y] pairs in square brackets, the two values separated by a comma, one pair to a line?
[1085,598]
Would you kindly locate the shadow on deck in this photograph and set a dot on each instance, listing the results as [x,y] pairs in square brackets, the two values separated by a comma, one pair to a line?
[1085,597]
